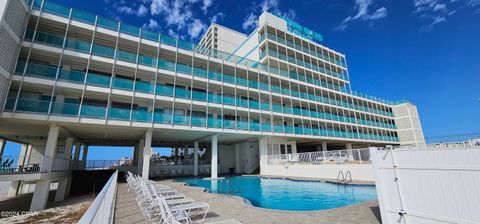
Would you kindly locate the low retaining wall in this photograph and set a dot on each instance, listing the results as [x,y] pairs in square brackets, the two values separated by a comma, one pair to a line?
[359,172]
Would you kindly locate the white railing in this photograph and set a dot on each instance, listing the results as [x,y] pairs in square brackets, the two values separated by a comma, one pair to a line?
[102,208]
[338,157]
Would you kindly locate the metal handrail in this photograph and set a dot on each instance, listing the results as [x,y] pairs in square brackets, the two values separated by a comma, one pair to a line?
[338,176]
[348,174]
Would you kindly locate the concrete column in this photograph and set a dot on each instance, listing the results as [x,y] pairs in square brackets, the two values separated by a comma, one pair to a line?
[3,142]
[50,149]
[348,146]
[40,195]
[61,189]
[85,153]
[22,155]
[237,158]
[263,152]
[214,164]
[147,154]
[175,153]
[141,145]
[12,190]
[76,154]
[185,152]
[324,146]
[195,158]
[69,184]
[68,148]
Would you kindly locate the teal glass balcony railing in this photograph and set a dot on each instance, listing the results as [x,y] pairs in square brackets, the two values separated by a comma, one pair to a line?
[144,87]
[28,105]
[98,80]
[118,114]
[229,124]
[125,84]
[199,121]
[303,49]
[164,90]
[181,119]
[160,117]
[214,123]
[93,111]
[66,109]
[141,116]
[109,52]
[119,83]
[243,125]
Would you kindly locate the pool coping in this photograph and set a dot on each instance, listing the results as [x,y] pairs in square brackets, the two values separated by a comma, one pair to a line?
[323,180]
[244,200]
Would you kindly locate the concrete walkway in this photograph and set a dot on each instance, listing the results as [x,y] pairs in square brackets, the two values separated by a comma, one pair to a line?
[232,207]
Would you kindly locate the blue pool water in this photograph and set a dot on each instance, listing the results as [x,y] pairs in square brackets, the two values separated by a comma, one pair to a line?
[290,195]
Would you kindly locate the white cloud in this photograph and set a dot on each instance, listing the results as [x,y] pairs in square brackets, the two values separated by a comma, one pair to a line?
[266,5]
[172,33]
[196,28]
[440,7]
[142,10]
[205,5]
[152,24]
[217,17]
[158,6]
[249,22]
[438,11]
[436,20]
[125,10]
[362,8]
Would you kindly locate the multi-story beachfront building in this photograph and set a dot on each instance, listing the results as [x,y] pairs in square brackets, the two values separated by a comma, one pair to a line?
[71,78]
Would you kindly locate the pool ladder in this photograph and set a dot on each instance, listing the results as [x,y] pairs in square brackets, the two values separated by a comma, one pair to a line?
[230,187]
[344,177]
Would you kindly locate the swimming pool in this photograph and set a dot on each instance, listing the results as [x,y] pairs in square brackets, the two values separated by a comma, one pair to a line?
[290,195]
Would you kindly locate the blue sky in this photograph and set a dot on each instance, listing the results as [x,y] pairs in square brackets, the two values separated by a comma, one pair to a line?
[425,51]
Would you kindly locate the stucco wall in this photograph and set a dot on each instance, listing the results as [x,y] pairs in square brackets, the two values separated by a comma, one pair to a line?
[360,172]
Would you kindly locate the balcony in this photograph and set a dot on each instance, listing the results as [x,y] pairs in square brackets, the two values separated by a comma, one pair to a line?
[31,164]
[169,91]
[111,113]
[303,49]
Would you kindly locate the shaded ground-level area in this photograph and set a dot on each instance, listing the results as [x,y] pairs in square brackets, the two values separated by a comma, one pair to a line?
[68,211]
[231,207]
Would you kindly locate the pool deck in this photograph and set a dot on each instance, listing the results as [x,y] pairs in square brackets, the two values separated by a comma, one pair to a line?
[233,207]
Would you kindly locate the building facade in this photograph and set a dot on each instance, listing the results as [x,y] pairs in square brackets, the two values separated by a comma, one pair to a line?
[71,79]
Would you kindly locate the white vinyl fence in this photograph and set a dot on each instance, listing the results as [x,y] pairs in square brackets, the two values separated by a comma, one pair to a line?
[102,208]
[428,185]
